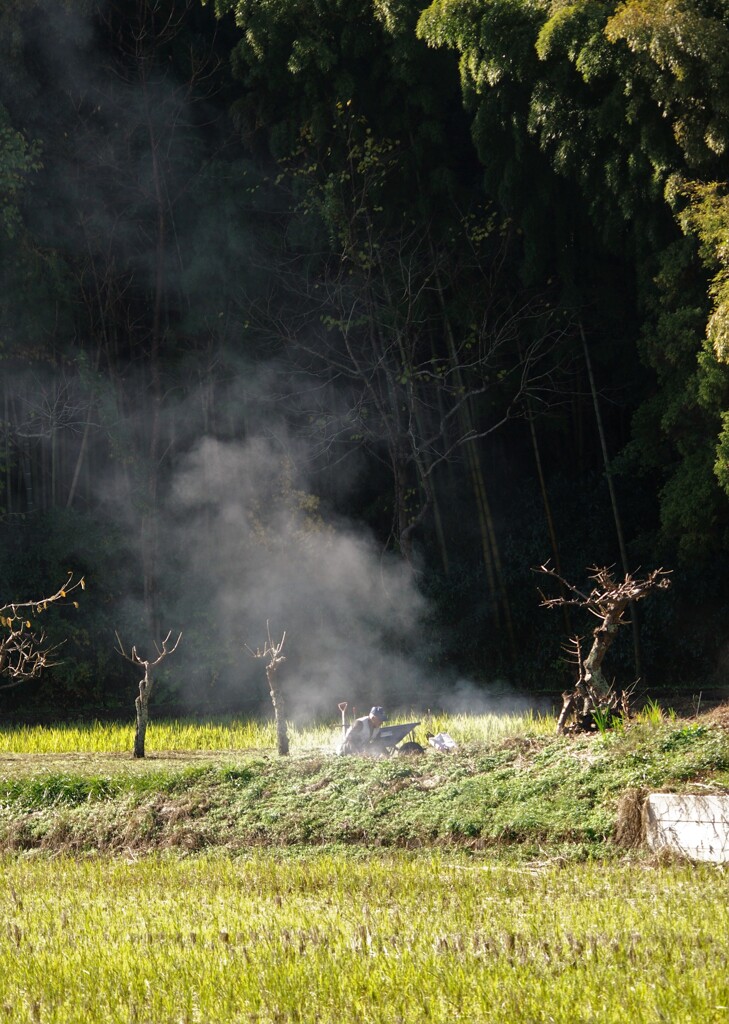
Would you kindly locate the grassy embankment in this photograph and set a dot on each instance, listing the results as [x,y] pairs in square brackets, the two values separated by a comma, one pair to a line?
[512,787]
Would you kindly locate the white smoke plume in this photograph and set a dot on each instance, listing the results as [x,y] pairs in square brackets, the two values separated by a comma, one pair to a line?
[258,551]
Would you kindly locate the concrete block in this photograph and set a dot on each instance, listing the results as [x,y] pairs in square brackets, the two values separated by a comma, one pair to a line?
[696,827]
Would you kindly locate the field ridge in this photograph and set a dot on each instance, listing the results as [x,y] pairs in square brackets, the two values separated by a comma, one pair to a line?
[525,795]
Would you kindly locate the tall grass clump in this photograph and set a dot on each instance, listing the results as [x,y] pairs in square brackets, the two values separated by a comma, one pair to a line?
[491,728]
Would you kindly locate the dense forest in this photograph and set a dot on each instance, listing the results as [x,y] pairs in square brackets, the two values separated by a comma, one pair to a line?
[341,316]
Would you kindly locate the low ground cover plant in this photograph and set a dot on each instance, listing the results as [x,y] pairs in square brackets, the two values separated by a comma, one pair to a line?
[520,794]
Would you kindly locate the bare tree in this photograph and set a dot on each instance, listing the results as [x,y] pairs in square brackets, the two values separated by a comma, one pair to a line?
[271,652]
[390,343]
[367,366]
[608,601]
[24,648]
[44,418]
[146,684]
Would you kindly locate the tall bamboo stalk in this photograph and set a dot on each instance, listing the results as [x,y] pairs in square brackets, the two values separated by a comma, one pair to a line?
[489,540]
[613,502]
[547,511]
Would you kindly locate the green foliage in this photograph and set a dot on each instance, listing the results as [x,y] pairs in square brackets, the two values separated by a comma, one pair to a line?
[297,60]
[707,216]
[18,159]
[682,48]
[546,74]
[721,465]
[624,100]
[67,789]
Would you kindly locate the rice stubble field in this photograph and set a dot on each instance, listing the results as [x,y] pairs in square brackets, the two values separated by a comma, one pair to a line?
[356,932]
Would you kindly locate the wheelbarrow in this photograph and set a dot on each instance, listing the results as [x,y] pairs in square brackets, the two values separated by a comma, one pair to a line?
[385,743]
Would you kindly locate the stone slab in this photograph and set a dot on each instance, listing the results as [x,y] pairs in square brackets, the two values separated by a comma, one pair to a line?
[696,827]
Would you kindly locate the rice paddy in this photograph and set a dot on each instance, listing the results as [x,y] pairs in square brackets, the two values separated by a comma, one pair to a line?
[332,938]
[246,734]
[215,883]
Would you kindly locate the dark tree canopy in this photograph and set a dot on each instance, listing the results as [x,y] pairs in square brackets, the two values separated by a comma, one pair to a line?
[296,283]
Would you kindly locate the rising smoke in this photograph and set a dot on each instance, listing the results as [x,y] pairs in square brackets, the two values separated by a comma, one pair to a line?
[266,556]
[260,548]
[244,545]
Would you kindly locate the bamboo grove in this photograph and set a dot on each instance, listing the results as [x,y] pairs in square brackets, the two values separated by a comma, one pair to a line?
[452,274]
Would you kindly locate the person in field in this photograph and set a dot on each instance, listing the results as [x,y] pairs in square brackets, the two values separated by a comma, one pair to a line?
[363,731]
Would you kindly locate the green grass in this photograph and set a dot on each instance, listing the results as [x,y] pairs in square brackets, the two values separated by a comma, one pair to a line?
[390,939]
[245,734]
[221,884]
[520,794]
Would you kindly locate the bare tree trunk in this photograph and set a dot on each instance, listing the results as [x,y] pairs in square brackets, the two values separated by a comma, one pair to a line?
[604,637]
[548,514]
[489,542]
[568,707]
[608,601]
[8,473]
[85,436]
[141,704]
[402,518]
[27,473]
[150,525]
[272,653]
[439,530]
[79,462]
[279,711]
[142,707]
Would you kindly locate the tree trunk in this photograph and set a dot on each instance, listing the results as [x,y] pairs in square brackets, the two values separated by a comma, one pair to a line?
[568,706]
[27,473]
[142,706]
[604,636]
[279,712]
[8,458]
[498,595]
[548,512]
[84,439]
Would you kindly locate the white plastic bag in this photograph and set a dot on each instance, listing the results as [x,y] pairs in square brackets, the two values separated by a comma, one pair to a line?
[443,742]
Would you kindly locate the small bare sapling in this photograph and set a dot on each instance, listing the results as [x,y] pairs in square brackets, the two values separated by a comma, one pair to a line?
[271,654]
[146,684]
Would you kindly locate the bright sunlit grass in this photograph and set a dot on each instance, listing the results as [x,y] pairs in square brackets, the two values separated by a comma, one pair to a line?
[330,938]
[247,734]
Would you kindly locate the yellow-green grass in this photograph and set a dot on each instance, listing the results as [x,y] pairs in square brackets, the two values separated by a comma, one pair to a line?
[237,734]
[333,938]
[520,794]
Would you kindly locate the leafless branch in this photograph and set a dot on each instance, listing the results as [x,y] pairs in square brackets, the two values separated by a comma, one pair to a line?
[270,651]
[608,602]
[24,652]
[147,663]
